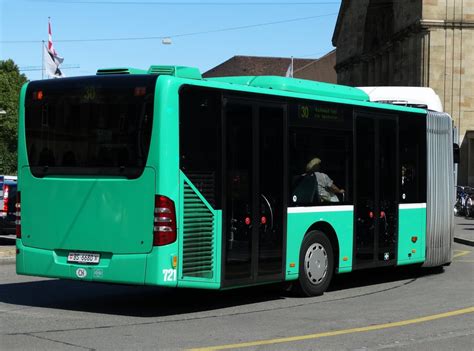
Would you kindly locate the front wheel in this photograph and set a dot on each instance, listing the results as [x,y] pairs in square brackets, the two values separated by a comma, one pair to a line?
[316,264]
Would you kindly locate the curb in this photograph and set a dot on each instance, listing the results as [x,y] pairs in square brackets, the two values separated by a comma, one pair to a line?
[464,241]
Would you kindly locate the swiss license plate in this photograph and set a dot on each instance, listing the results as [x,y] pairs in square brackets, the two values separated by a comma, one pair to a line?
[83,257]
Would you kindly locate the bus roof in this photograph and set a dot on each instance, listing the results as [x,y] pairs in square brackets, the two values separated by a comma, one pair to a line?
[282,86]
[294,85]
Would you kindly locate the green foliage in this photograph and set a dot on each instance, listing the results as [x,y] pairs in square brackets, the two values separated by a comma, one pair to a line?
[11,81]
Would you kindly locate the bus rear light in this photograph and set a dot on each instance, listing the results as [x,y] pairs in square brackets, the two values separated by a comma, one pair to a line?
[38,95]
[164,228]
[140,91]
[18,215]
[6,190]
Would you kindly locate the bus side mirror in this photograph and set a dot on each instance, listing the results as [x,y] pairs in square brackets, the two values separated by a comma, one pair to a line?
[456,153]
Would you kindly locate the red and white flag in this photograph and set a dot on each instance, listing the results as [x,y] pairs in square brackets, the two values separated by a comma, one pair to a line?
[51,59]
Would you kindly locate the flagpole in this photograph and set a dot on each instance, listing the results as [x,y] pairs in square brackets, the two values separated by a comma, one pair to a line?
[42,59]
[292,67]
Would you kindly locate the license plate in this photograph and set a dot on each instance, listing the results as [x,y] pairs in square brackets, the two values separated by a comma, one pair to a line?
[83,257]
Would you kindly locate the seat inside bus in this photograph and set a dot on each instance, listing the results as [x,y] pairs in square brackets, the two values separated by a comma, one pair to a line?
[305,190]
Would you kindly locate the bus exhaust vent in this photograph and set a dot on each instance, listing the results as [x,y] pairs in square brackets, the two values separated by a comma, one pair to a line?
[176,71]
[162,70]
[106,71]
[198,236]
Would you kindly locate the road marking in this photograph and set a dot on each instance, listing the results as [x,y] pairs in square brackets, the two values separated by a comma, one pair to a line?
[461,253]
[469,261]
[339,332]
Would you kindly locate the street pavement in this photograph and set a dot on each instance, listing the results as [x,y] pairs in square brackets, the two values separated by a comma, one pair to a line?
[402,309]
[7,249]
[464,230]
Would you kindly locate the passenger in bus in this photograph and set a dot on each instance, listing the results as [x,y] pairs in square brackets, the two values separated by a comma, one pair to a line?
[327,190]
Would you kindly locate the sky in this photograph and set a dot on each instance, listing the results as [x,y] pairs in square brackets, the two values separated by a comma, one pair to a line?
[203,33]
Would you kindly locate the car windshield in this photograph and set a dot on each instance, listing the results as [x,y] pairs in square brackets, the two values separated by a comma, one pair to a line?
[89,125]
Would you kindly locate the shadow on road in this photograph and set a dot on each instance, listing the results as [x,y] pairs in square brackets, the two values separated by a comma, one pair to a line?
[138,301]
[380,276]
[142,301]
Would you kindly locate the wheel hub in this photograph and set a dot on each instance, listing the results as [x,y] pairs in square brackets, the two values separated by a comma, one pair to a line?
[316,263]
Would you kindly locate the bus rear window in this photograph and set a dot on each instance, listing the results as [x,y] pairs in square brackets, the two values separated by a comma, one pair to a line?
[89,125]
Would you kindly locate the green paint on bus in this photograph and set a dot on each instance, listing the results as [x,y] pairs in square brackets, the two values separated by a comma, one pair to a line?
[95,153]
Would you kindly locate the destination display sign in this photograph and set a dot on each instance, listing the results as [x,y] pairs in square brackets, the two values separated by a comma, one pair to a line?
[318,112]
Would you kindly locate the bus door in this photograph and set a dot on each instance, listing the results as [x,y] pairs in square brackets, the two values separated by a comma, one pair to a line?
[254,188]
[376,190]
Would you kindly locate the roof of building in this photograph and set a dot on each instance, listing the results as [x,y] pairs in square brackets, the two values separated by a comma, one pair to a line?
[321,69]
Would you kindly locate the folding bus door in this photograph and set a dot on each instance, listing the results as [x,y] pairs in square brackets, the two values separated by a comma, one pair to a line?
[253,192]
[376,190]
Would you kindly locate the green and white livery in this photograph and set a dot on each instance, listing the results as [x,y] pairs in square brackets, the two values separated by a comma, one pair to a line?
[161,177]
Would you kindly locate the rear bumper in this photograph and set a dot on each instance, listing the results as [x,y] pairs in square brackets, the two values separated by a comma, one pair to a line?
[124,268]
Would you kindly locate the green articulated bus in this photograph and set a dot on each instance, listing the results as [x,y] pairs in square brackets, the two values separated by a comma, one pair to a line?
[161,177]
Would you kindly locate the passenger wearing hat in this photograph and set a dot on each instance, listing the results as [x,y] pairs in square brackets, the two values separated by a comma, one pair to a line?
[326,187]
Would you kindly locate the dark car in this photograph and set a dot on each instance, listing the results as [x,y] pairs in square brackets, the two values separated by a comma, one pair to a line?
[8,190]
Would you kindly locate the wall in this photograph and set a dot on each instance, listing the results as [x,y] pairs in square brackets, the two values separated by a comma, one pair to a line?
[413,43]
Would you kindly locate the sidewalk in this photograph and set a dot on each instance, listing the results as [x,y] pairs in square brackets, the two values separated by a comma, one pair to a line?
[7,255]
[464,231]
[7,249]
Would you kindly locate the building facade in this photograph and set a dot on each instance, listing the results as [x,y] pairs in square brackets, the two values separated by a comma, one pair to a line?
[427,43]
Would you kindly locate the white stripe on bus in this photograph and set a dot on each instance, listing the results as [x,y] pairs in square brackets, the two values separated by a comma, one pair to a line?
[342,208]
[339,208]
[406,206]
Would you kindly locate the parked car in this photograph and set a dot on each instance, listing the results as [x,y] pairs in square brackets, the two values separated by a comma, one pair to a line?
[8,190]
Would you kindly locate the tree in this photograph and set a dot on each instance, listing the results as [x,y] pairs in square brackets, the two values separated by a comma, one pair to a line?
[11,81]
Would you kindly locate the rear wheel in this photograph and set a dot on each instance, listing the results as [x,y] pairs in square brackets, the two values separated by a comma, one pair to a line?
[316,264]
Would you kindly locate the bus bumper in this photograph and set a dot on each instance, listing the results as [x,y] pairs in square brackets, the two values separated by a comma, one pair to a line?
[124,268]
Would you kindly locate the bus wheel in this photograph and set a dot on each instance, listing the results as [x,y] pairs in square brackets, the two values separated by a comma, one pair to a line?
[316,264]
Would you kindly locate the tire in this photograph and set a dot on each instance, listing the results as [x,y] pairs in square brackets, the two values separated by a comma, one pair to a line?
[316,264]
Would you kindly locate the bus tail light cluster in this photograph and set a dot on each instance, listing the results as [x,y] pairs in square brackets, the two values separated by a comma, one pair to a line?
[6,190]
[164,226]
[18,215]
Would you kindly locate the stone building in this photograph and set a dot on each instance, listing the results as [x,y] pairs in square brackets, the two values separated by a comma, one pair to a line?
[427,43]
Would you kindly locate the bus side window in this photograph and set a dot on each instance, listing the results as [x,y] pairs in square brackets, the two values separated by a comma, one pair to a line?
[69,159]
[412,169]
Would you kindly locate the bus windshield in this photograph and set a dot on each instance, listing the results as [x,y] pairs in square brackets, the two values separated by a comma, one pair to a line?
[98,125]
